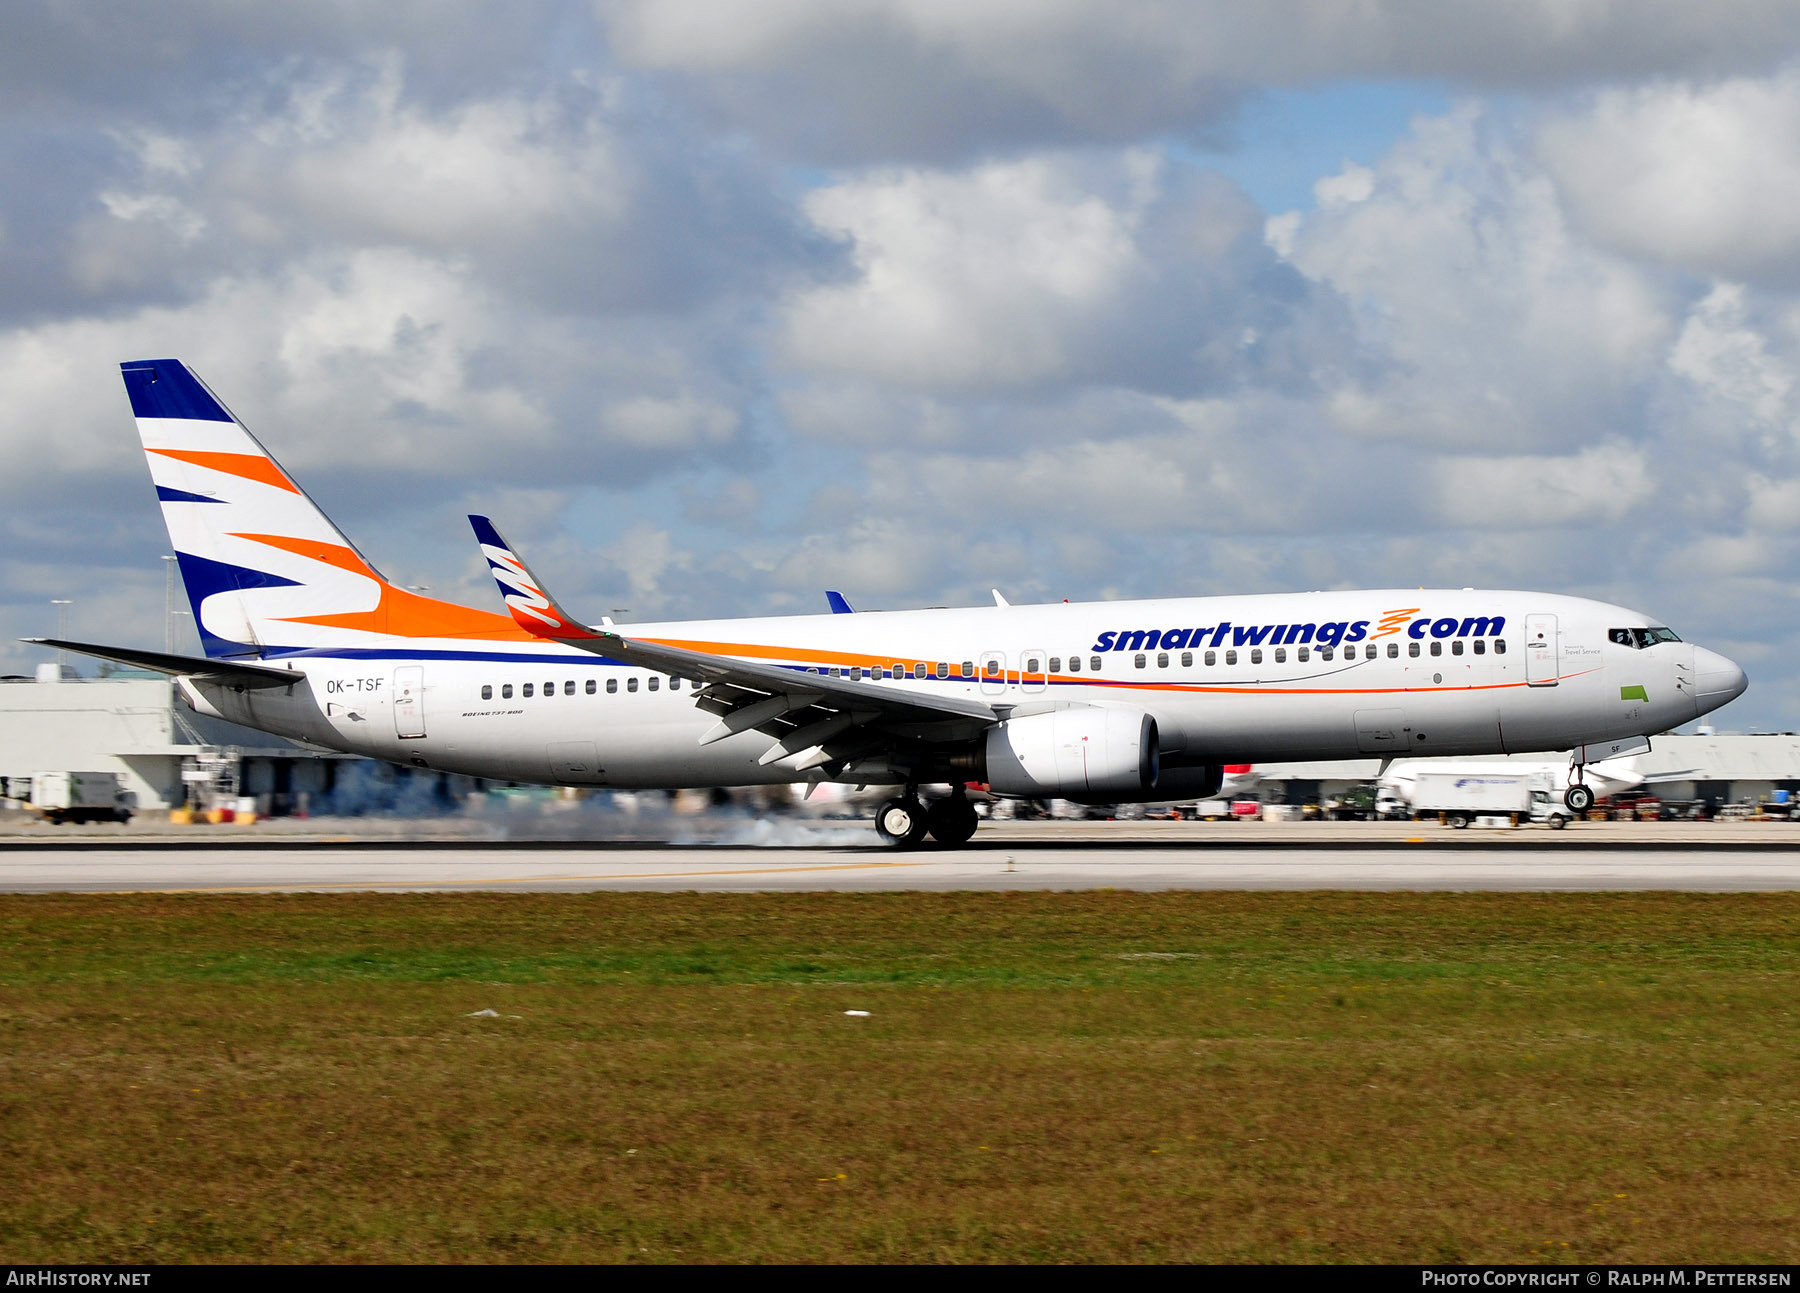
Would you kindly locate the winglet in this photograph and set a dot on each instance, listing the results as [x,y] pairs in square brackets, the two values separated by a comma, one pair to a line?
[839,604]
[533,609]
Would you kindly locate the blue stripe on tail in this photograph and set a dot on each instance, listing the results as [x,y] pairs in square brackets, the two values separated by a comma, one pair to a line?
[164,388]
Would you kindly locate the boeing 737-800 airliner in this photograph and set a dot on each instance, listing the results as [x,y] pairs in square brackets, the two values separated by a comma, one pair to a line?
[1101,701]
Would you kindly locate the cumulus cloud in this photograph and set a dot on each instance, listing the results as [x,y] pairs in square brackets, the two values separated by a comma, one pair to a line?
[1499,322]
[1701,176]
[1054,271]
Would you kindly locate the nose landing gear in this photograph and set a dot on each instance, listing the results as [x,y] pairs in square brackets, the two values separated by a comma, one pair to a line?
[1578,798]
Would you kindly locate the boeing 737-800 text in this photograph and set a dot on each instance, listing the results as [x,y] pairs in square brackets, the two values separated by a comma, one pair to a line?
[1100,701]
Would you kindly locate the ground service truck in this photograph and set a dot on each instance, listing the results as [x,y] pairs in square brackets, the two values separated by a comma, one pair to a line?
[1460,797]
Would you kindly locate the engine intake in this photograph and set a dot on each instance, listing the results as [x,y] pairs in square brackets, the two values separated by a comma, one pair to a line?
[1095,752]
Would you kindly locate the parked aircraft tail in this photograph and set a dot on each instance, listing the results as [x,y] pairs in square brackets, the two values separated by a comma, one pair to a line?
[265,569]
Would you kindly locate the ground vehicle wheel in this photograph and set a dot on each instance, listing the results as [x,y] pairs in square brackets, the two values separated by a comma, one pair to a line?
[1557,821]
[1578,798]
[1459,820]
[951,821]
[901,822]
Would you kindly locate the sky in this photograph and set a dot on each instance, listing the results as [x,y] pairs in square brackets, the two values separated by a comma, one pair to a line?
[715,306]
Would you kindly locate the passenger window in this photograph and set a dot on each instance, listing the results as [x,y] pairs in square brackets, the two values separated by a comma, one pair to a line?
[968,669]
[834,671]
[569,687]
[506,691]
[654,682]
[525,691]
[1412,648]
[1255,655]
[1303,654]
[1480,646]
[1094,664]
[592,686]
[1280,655]
[550,689]
[1187,659]
[1140,660]
[918,671]
[1031,665]
[1437,648]
[1212,658]
[1369,652]
[1499,646]
[993,668]
[1055,664]
[631,684]
[1231,657]
[1162,659]
[1326,653]
[1074,664]
[675,683]
[612,686]
[1393,650]
[487,693]
[1456,647]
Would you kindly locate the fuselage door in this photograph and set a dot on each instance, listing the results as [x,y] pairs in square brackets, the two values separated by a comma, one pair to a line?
[993,673]
[1032,675]
[409,702]
[1541,667]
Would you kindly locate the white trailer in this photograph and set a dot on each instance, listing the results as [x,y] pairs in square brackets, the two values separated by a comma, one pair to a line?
[80,797]
[1460,797]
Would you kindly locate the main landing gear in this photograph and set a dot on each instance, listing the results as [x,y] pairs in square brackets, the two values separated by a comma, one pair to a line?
[905,822]
[1578,798]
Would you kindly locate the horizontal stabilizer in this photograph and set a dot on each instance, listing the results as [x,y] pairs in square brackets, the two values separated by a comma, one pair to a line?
[225,671]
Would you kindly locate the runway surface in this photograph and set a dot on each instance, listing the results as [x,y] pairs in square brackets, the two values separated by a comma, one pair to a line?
[846,857]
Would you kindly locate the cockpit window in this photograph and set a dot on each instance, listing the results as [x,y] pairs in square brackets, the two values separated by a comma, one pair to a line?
[1638,639]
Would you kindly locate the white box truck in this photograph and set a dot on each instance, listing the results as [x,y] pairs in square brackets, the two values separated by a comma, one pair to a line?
[80,797]
[1460,797]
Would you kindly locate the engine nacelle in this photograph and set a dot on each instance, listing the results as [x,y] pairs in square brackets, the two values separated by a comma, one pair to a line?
[1096,752]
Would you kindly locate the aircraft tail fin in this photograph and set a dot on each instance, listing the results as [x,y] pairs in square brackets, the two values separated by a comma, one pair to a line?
[265,568]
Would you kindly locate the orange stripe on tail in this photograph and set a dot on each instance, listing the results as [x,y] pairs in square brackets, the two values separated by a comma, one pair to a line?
[245,466]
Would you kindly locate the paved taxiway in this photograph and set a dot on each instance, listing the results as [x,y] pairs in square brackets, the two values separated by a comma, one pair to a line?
[1021,856]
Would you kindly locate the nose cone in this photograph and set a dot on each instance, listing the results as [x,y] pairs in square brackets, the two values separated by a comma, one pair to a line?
[1717,681]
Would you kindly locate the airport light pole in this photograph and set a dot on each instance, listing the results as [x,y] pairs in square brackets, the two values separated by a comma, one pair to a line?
[62,605]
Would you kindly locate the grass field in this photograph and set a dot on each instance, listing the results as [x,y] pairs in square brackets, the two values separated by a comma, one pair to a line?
[1042,1077]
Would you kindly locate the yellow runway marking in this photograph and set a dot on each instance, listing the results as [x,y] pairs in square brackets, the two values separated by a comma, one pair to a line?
[517,879]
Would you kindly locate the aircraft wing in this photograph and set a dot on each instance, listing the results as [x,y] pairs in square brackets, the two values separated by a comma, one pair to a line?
[814,719]
[230,672]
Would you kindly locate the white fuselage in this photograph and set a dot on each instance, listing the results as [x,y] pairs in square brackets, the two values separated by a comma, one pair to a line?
[1227,679]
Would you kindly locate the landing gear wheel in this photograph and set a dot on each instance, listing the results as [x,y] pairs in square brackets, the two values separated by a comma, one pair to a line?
[901,822]
[951,821]
[1578,798]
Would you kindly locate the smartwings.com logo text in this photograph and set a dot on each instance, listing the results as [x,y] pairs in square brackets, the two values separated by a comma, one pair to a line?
[1330,634]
